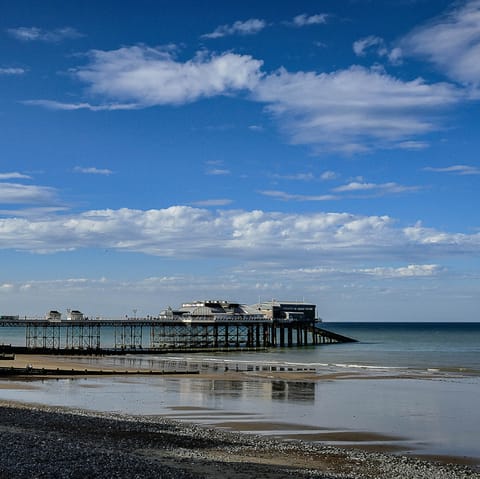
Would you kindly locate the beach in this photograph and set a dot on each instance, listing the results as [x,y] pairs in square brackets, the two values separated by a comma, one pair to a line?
[45,442]
[186,436]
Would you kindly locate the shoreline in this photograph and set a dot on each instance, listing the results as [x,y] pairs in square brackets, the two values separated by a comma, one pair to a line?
[104,365]
[364,440]
[124,446]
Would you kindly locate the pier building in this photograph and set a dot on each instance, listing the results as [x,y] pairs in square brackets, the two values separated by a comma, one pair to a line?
[53,315]
[287,310]
[214,325]
[214,310]
[74,315]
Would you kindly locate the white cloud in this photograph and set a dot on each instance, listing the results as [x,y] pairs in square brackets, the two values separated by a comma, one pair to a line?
[248,27]
[282,195]
[139,77]
[384,272]
[218,172]
[361,46]
[350,111]
[39,211]
[14,175]
[382,188]
[456,169]
[12,71]
[58,105]
[395,56]
[410,271]
[451,41]
[151,76]
[29,34]
[429,237]
[328,175]
[93,170]
[326,257]
[213,202]
[15,193]
[354,110]
[412,145]
[296,177]
[187,232]
[379,47]
[340,293]
[305,20]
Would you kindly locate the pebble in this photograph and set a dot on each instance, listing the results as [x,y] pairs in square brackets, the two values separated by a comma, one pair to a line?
[54,443]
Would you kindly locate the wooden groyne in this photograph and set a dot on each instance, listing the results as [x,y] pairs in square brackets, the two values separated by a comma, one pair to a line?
[62,372]
[154,336]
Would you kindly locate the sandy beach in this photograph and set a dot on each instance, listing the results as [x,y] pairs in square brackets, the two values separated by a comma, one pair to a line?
[96,364]
[46,442]
[69,441]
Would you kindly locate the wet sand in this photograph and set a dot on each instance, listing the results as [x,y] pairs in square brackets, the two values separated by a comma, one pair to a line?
[364,441]
[92,364]
[52,443]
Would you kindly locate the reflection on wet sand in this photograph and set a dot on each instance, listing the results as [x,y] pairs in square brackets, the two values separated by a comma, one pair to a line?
[296,391]
[438,415]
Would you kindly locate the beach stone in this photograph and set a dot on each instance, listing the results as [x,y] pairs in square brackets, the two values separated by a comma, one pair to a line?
[54,443]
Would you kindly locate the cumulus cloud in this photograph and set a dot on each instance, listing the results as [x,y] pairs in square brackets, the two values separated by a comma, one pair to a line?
[303,19]
[188,232]
[93,170]
[440,240]
[30,34]
[15,193]
[456,169]
[151,76]
[353,110]
[451,41]
[248,27]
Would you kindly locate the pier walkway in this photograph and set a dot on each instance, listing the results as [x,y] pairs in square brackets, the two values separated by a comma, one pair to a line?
[155,335]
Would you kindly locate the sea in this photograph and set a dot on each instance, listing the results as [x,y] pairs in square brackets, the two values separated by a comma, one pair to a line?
[411,388]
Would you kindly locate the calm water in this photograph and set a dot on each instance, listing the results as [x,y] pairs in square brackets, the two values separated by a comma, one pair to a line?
[444,346]
[448,347]
[436,413]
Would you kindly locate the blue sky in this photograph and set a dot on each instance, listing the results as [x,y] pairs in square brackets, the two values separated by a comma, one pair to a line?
[159,152]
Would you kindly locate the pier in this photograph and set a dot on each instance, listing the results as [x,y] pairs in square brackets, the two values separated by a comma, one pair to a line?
[154,335]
